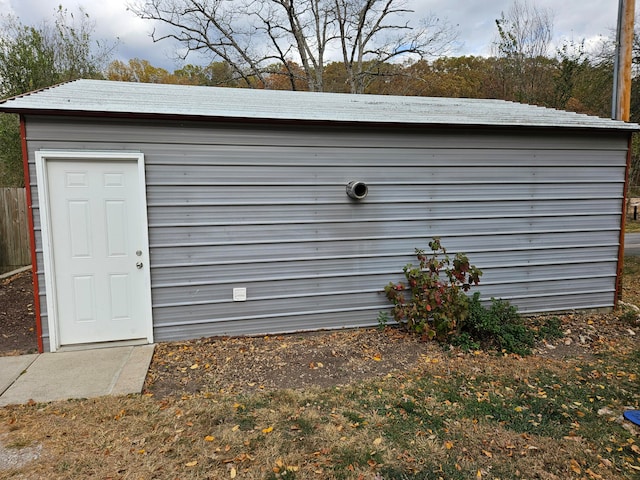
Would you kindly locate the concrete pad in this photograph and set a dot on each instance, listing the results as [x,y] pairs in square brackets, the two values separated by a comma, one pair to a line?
[81,374]
[133,373]
[12,367]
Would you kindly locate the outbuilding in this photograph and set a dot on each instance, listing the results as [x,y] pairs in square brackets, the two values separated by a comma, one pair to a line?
[165,212]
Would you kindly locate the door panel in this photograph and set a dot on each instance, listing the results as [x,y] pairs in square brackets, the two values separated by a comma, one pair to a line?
[95,218]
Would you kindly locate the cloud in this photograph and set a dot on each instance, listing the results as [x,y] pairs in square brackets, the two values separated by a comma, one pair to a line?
[112,21]
[573,20]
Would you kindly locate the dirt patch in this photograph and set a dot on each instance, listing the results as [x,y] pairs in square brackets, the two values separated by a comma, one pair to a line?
[17,317]
[325,359]
[586,334]
[16,456]
[322,359]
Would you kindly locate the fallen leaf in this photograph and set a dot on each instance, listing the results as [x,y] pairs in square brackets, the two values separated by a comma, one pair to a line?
[487,453]
[194,366]
[377,357]
[448,445]
[233,472]
[593,475]
[575,466]
[209,438]
[267,430]
[636,449]
[377,441]
[191,464]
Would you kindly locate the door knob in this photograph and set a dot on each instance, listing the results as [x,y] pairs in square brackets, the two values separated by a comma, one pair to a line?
[139,265]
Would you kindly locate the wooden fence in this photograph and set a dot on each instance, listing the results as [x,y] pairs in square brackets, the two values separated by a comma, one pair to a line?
[14,229]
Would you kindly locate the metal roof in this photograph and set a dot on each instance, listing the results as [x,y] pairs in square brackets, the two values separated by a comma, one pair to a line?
[101,97]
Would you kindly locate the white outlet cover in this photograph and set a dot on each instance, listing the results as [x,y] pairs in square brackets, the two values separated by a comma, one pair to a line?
[239,294]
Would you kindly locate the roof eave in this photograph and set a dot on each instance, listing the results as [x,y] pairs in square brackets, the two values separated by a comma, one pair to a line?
[628,128]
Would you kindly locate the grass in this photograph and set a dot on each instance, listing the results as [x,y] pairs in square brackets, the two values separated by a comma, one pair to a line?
[454,416]
[632,226]
[631,280]
[469,416]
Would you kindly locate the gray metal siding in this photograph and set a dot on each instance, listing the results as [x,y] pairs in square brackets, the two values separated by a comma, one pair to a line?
[266,209]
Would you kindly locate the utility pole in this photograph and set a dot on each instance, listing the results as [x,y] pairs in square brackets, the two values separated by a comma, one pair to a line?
[621,104]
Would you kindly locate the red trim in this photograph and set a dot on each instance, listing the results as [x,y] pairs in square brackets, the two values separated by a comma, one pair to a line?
[32,235]
[623,222]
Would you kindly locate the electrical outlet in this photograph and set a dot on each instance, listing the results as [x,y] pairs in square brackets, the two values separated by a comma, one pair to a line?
[239,294]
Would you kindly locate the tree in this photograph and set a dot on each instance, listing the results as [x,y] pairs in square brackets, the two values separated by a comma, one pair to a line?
[37,57]
[26,59]
[360,22]
[572,62]
[253,35]
[137,70]
[280,75]
[215,74]
[11,171]
[524,36]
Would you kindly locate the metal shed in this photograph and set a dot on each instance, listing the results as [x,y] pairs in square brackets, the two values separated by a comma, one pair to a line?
[164,212]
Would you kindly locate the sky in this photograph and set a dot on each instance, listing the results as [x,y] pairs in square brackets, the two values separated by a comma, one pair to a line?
[573,20]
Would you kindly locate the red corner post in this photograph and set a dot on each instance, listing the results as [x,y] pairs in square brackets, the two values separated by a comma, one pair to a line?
[32,236]
[623,222]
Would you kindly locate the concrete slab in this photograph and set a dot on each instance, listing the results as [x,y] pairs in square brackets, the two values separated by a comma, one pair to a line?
[11,368]
[133,373]
[81,374]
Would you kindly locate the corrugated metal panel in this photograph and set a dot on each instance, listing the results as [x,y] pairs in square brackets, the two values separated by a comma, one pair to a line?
[105,97]
[266,209]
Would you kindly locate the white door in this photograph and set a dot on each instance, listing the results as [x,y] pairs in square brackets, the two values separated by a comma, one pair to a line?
[98,251]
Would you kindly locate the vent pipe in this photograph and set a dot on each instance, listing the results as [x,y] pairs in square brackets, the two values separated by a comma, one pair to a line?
[357,190]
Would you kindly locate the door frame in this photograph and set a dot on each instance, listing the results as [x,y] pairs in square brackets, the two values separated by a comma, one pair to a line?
[41,158]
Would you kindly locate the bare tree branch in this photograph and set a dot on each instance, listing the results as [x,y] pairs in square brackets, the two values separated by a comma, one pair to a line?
[524,36]
[253,35]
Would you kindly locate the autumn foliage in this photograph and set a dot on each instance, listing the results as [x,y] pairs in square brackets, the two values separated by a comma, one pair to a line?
[433,302]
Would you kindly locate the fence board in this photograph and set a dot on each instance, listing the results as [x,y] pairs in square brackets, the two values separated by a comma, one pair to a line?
[14,230]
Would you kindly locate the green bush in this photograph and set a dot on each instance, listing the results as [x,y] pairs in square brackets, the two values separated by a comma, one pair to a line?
[500,326]
[433,302]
